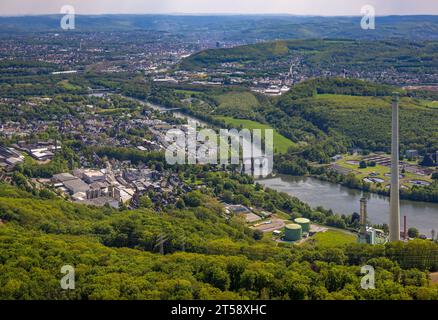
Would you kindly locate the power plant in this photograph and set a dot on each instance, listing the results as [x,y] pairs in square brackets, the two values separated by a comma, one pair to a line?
[368,234]
[394,219]
[372,235]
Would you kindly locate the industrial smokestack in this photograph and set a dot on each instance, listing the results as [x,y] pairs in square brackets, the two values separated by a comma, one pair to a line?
[394,219]
[363,216]
[405,228]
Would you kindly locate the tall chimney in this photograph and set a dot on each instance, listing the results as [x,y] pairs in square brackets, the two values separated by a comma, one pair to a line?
[363,216]
[394,219]
[405,230]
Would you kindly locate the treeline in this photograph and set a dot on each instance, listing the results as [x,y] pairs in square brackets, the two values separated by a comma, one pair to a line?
[63,161]
[38,85]
[340,86]
[127,154]
[18,68]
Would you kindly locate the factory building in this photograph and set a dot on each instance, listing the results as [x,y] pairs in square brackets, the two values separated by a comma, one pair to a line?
[373,236]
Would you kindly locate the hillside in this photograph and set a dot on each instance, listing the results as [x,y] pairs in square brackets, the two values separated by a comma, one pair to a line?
[281,143]
[373,60]
[360,116]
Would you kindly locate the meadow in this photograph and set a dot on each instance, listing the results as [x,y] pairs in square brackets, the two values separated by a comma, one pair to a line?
[333,238]
[281,143]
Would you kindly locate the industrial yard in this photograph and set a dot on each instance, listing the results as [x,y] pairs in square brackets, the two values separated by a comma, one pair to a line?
[377,170]
[301,230]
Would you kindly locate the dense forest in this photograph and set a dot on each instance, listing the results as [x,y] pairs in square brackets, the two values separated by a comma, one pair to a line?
[205,256]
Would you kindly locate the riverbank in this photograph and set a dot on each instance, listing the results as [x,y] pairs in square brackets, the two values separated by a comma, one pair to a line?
[427,193]
[343,200]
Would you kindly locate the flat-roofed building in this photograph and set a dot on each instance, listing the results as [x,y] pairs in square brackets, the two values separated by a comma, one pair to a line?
[63,177]
[91,176]
[75,186]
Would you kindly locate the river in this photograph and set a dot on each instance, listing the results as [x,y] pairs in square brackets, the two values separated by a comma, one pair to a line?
[343,200]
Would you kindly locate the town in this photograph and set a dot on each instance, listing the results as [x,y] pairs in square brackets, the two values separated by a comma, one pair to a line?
[217,157]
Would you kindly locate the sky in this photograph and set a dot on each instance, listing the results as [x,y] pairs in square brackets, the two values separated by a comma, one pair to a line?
[297,7]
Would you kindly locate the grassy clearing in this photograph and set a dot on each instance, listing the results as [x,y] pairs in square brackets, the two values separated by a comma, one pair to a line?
[236,103]
[281,143]
[68,86]
[353,102]
[333,238]
[430,104]
[113,111]
[187,93]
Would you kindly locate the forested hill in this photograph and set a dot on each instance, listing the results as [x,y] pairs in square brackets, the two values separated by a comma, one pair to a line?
[361,58]
[239,27]
[361,111]
[116,256]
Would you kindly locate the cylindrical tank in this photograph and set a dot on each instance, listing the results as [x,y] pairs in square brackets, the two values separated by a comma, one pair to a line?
[304,223]
[293,232]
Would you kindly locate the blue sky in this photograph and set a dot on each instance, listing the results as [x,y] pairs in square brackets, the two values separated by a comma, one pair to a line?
[298,7]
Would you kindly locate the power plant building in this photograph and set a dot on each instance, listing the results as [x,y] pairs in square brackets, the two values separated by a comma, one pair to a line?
[373,236]
[368,234]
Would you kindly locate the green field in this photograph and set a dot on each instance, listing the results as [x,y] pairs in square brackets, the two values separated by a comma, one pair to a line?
[333,238]
[113,111]
[281,143]
[237,104]
[65,84]
[187,93]
[430,104]
[346,102]
[340,101]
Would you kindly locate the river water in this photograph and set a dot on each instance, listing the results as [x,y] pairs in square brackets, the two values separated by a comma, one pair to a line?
[422,215]
[342,200]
